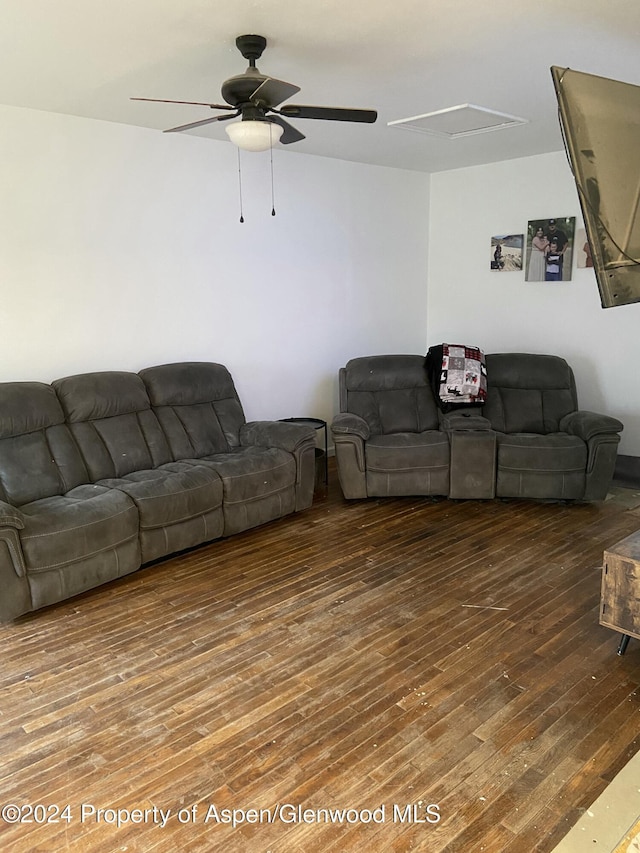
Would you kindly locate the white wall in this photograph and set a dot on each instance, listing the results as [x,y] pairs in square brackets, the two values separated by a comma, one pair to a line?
[500,311]
[120,247]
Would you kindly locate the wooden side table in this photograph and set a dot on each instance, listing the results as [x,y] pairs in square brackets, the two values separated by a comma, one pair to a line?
[620,594]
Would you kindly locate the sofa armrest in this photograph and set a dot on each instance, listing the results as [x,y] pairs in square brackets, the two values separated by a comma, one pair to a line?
[280,434]
[349,424]
[12,520]
[586,425]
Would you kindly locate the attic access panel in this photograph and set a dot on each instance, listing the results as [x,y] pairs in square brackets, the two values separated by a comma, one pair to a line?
[461,120]
[600,119]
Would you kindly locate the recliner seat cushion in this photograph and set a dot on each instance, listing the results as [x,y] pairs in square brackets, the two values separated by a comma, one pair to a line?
[171,493]
[541,466]
[408,463]
[404,450]
[65,529]
[250,473]
[259,484]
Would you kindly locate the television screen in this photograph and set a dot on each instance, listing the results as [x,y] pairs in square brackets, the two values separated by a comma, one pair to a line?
[600,120]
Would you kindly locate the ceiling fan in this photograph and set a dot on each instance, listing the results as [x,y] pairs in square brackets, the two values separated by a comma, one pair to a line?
[256,98]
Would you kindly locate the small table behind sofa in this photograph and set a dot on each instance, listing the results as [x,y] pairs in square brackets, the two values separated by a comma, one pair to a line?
[317,424]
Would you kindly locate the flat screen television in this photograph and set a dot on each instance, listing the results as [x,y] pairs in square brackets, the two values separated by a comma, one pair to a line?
[600,121]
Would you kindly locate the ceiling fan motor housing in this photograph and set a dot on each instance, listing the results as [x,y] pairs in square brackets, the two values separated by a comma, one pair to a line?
[238,90]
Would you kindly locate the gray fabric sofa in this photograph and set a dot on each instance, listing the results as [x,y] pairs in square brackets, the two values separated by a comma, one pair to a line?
[101,473]
[529,439]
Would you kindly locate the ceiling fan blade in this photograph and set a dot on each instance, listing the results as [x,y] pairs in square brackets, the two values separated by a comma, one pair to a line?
[328,113]
[273,92]
[290,134]
[193,103]
[201,123]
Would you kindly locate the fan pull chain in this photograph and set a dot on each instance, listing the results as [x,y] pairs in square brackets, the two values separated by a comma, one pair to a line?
[273,204]
[240,185]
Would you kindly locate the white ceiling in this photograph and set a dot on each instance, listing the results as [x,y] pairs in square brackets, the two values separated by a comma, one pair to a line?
[401,57]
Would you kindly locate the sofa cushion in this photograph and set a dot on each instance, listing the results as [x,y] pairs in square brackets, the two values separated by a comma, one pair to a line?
[69,528]
[528,392]
[249,473]
[259,485]
[27,407]
[532,452]
[170,494]
[27,470]
[197,406]
[408,464]
[541,466]
[99,395]
[391,393]
[111,420]
[405,451]
[38,458]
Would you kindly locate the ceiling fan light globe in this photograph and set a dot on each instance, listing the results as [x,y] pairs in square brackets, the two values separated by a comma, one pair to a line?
[253,135]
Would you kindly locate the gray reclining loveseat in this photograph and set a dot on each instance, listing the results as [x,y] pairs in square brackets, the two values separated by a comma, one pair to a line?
[103,472]
[529,439]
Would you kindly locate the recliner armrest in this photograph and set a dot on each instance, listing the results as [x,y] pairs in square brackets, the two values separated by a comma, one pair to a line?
[347,423]
[12,520]
[586,425]
[280,434]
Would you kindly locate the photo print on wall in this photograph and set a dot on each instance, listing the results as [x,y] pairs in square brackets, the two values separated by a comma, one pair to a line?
[550,245]
[506,252]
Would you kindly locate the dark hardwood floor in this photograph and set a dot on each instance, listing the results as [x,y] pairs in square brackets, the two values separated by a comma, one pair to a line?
[434,669]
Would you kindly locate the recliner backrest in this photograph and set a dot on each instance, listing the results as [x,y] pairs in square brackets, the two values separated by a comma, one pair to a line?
[109,414]
[197,406]
[38,457]
[528,392]
[391,392]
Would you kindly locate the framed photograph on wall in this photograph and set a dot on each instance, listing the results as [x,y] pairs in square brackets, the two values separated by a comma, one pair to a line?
[506,252]
[550,248]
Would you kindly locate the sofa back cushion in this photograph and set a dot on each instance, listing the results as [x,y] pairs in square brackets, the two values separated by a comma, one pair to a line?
[38,457]
[110,417]
[528,392]
[197,406]
[391,392]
